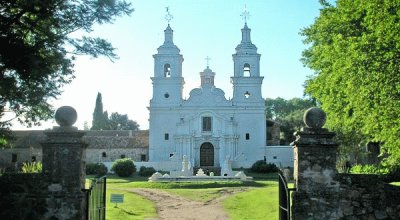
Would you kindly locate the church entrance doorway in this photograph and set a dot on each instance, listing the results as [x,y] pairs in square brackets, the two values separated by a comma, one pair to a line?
[206,154]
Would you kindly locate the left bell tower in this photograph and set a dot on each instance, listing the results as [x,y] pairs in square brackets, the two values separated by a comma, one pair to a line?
[167,80]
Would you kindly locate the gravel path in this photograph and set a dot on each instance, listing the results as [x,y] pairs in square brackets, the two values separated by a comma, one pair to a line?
[170,206]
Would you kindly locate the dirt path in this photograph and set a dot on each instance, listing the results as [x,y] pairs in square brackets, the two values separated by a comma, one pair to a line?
[170,206]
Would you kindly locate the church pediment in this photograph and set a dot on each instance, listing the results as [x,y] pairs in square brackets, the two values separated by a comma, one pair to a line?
[211,96]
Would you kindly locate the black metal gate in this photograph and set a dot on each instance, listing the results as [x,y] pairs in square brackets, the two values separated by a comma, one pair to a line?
[96,199]
[284,197]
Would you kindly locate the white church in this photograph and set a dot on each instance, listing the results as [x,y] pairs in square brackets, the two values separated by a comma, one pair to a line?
[207,127]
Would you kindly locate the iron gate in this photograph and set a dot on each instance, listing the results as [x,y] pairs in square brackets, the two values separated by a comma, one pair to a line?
[284,197]
[96,199]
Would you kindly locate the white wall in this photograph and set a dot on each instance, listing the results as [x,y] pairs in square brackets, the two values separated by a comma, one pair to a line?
[281,156]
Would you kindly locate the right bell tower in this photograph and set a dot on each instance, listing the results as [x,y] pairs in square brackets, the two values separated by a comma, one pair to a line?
[246,80]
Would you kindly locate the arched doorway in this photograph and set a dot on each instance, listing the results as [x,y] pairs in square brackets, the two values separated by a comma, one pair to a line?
[206,154]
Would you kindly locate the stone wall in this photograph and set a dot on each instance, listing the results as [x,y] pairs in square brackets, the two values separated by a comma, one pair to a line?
[57,192]
[104,146]
[23,196]
[366,197]
[322,193]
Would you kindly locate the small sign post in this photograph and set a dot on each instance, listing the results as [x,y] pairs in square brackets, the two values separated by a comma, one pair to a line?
[117,198]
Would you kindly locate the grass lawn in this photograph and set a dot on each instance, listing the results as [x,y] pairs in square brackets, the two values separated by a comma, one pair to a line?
[259,203]
[260,196]
[134,206]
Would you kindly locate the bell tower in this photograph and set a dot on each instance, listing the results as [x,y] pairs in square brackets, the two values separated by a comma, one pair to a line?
[167,81]
[246,79]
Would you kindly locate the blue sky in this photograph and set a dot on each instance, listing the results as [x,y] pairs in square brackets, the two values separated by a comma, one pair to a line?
[201,28]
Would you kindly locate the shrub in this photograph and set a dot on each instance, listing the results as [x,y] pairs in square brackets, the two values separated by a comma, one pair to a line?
[369,169]
[32,167]
[98,169]
[261,166]
[146,171]
[386,173]
[123,167]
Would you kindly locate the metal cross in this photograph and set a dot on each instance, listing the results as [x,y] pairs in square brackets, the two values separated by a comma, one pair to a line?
[168,17]
[245,14]
[208,60]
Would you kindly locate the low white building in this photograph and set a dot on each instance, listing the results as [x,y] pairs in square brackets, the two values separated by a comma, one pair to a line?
[207,127]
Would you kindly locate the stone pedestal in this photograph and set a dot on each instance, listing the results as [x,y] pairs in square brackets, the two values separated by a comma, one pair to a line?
[315,170]
[63,164]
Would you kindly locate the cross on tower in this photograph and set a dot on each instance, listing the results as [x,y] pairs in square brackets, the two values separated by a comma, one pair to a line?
[168,17]
[245,14]
[208,61]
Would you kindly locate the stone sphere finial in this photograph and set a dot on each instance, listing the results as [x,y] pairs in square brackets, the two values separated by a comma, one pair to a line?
[66,116]
[314,118]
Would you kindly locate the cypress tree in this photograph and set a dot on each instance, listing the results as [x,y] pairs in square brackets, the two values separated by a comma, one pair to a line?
[99,120]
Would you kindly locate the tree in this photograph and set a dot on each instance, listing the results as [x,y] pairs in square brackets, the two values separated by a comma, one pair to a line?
[100,118]
[37,50]
[289,114]
[355,53]
[121,122]
[116,121]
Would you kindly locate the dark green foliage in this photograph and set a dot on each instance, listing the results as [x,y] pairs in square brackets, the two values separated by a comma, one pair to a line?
[390,173]
[100,117]
[354,50]
[37,50]
[289,114]
[116,121]
[121,122]
[124,167]
[146,171]
[98,169]
[261,166]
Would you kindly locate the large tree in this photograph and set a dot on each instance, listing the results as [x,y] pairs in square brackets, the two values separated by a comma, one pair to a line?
[118,121]
[37,50]
[355,53]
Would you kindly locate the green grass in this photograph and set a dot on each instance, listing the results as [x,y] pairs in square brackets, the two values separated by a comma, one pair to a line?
[201,195]
[254,204]
[261,196]
[133,207]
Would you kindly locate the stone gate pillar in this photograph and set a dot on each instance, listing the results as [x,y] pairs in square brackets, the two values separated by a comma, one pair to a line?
[63,163]
[315,170]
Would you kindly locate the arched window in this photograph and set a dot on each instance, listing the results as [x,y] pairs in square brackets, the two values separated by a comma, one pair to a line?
[246,70]
[167,70]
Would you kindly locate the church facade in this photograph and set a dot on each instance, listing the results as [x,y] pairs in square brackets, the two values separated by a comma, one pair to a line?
[208,128]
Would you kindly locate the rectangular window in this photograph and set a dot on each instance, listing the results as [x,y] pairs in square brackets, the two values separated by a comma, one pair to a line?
[143,157]
[247,136]
[207,122]
[166,136]
[14,158]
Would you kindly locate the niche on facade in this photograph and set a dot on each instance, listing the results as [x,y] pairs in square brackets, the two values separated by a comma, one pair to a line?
[166,95]
[206,124]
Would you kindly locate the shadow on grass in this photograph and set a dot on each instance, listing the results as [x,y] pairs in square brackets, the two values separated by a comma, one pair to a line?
[128,212]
